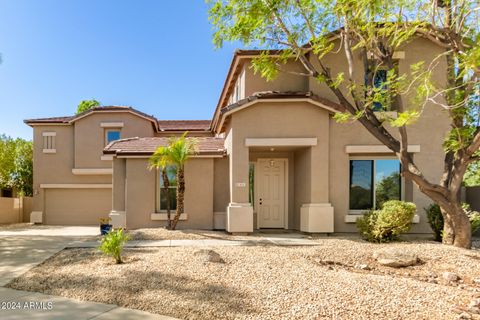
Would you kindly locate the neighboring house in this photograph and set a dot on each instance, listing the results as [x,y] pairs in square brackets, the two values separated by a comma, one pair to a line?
[271,157]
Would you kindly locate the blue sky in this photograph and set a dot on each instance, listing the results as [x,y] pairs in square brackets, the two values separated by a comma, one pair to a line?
[154,55]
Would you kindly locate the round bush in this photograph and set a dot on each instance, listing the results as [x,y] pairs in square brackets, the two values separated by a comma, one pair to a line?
[387,224]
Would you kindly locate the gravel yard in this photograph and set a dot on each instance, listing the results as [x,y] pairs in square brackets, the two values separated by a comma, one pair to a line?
[267,282]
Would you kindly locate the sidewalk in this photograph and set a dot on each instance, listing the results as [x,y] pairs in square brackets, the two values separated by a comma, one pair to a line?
[30,305]
[265,241]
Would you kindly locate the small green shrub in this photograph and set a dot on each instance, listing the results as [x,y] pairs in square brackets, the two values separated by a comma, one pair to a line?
[435,219]
[473,216]
[113,242]
[388,223]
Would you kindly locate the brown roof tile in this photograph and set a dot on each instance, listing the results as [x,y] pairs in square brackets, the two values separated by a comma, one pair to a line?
[184,125]
[77,116]
[49,120]
[147,146]
[282,95]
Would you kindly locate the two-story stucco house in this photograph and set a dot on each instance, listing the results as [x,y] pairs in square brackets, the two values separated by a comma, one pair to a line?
[271,157]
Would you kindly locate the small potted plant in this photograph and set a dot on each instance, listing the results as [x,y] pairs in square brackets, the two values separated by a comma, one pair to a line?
[105,226]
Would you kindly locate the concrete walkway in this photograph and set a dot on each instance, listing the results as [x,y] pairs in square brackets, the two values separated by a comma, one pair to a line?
[264,241]
[20,253]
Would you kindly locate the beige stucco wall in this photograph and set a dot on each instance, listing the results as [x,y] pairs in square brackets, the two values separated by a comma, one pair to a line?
[282,120]
[78,145]
[141,194]
[284,82]
[11,210]
[119,184]
[90,136]
[221,185]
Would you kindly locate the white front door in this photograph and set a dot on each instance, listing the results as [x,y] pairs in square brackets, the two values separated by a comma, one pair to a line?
[270,186]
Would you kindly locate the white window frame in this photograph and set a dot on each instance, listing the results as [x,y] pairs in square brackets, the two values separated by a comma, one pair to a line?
[157,195]
[402,180]
[49,142]
[111,130]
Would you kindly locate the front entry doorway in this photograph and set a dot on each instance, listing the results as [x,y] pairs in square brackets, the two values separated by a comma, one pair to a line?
[271,193]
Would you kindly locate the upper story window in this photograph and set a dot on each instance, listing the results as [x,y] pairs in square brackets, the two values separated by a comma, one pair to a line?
[49,142]
[112,135]
[373,182]
[375,82]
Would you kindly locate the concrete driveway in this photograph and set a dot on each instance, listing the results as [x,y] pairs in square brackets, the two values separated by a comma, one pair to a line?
[24,246]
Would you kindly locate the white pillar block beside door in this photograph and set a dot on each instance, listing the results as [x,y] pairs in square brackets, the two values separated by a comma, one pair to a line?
[316,218]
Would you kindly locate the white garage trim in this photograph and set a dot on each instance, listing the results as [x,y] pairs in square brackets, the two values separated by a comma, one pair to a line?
[76,186]
[280,142]
[92,171]
[111,124]
[378,148]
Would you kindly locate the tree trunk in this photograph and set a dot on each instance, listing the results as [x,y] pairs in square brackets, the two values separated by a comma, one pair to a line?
[448,235]
[462,228]
[180,196]
[166,188]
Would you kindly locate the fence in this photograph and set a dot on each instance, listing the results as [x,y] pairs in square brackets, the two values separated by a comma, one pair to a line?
[472,195]
[15,210]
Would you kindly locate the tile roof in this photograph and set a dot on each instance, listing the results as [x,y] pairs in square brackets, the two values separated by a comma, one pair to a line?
[163,125]
[282,95]
[184,125]
[49,120]
[147,146]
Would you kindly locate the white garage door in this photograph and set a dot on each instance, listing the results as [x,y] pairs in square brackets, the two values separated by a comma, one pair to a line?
[77,206]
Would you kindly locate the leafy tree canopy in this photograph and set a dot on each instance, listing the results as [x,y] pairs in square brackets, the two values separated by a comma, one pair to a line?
[16,165]
[367,34]
[85,105]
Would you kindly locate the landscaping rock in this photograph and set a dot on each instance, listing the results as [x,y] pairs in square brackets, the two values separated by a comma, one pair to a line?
[464,316]
[209,256]
[362,267]
[394,257]
[450,276]
[475,303]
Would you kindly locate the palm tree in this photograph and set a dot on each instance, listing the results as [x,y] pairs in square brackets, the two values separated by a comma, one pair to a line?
[161,160]
[176,154]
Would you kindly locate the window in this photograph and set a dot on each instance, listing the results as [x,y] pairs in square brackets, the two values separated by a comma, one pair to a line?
[375,80]
[251,183]
[374,181]
[172,192]
[49,143]
[112,135]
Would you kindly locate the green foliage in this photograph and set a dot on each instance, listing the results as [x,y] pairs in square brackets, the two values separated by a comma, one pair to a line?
[435,219]
[113,242]
[473,216]
[175,154]
[387,189]
[388,223]
[16,165]
[405,118]
[472,176]
[85,105]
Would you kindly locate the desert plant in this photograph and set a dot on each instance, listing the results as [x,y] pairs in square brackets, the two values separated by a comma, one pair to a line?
[388,223]
[113,242]
[177,153]
[435,219]
[473,216]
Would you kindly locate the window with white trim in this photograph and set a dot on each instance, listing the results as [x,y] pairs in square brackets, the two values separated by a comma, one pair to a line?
[112,135]
[49,143]
[373,182]
[162,194]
